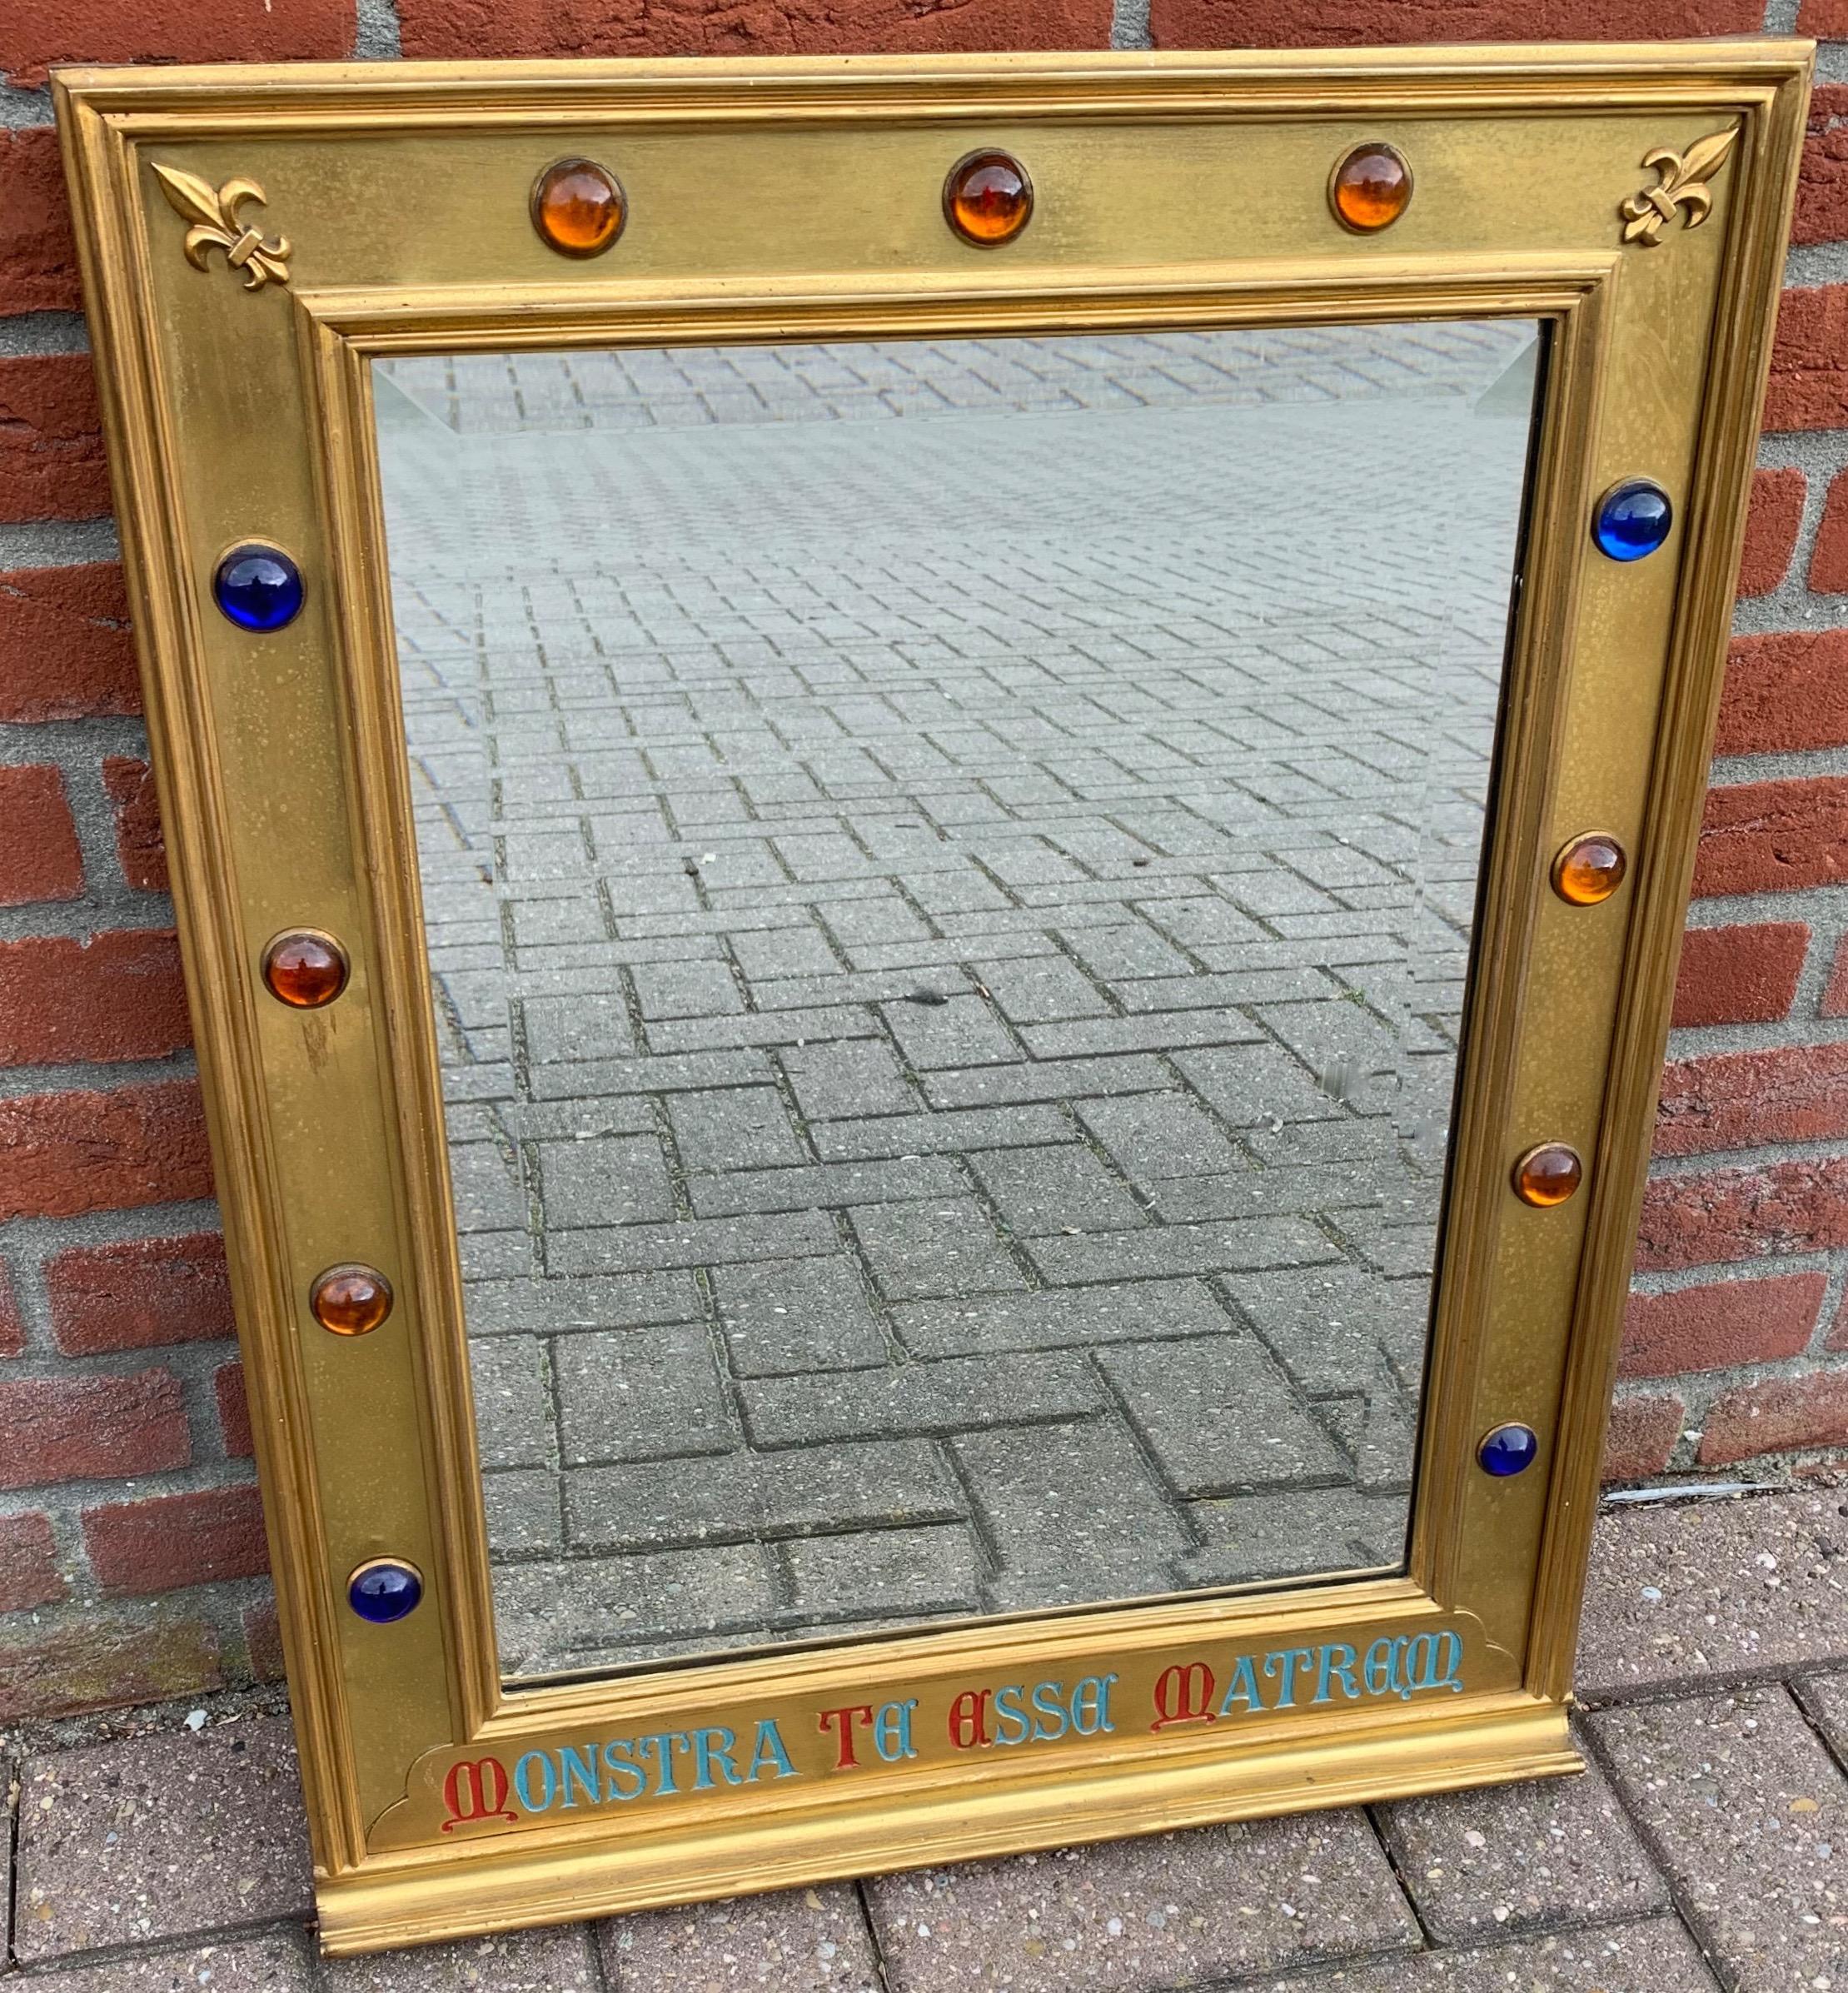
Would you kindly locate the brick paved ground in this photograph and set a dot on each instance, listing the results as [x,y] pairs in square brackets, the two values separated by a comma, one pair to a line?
[948,871]
[1699,1855]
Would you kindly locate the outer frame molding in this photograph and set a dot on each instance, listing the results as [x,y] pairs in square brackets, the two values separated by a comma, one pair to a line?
[375,211]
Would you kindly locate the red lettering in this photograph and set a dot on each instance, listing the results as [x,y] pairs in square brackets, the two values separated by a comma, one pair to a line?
[969,1719]
[845,1760]
[477,1789]
[1184,1695]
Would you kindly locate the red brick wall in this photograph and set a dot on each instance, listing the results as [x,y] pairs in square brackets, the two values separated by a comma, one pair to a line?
[130,1546]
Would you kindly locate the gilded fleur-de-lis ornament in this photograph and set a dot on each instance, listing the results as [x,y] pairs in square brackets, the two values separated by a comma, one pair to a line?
[218,224]
[1681,184]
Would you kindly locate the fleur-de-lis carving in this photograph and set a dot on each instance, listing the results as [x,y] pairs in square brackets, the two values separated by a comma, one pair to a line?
[1681,183]
[217,224]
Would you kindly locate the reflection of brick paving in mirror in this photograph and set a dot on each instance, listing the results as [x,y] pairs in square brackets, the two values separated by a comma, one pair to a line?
[948,937]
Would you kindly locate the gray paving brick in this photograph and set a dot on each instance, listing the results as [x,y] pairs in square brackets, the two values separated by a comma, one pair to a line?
[1170,1909]
[835,1082]
[1071,1514]
[826,1187]
[1520,1858]
[1065,1189]
[673,990]
[1218,1417]
[277,1962]
[1156,1136]
[961,1394]
[1747,1809]
[539,1307]
[649,1396]
[513,1408]
[1041,990]
[1253,1537]
[577,1028]
[1064,1317]
[962,1031]
[790,1316]
[878,1574]
[810,1940]
[1047,1079]
[518,1961]
[742,1127]
[713,1241]
[943,1246]
[522,1508]
[589,1611]
[1177,1249]
[1657,1956]
[611,1180]
[942,1133]
[745,1497]
[173,1837]
[1682,1593]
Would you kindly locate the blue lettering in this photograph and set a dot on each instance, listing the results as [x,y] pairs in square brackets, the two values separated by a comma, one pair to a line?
[1013,1726]
[1284,1664]
[1338,1664]
[661,1747]
[522,1784]
[626,1779]
[892,1731]
[577,1768]
[769,1751]
[1091,1705]
[712,1747]
[1047,1705]
[1243,1687]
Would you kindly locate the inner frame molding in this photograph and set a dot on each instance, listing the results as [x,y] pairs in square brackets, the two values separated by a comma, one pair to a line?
[254,238]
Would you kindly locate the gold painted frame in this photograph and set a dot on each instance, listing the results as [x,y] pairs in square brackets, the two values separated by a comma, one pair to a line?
[252,237]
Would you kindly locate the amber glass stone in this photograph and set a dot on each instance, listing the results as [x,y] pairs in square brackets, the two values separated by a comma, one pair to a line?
[305,970]
[1590,869]
[1370,187]
[350,1300]
[988,198]
[579,208]
[1548,1175]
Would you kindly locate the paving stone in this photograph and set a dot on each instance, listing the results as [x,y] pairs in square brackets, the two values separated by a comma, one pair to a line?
[1329,1325]
[1655,1957]
[574,1028]
[1681,1591]
[523,1510]
[962,1031]
[1155,1136]
[1045,1080]
[709,1241]
[876,1574]
[539,1307]
[515,1961]
[649,1396]
[748,1496]
[1218,1417]
[1253,1537]
[671,989]
[277,1962]
[1172,1249]
[1064,1189]
[961,1395]
[1747,1810]
[808,1941]
[168,1836]
[1074,1317]
[842,1082]
[742,1127]
[1070,1512]
[942,1133]
[1520,1858]
[943,1246]
[486,1189]
[826,1187]
[1169,1910]
[511,1378]
[1041,988]
[589,1610]
[790,1316]
[609,1180]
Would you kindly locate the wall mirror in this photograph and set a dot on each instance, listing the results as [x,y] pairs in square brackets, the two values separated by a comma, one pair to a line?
[930,934]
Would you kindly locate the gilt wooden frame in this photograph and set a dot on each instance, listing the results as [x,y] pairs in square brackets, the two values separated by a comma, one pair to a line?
[353,212]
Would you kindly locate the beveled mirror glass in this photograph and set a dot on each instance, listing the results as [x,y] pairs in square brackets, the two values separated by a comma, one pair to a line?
[949,870]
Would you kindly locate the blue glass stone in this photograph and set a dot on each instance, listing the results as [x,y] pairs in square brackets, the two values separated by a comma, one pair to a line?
[1633,519]
[1508,1450]
[258,587]
[384,1592]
